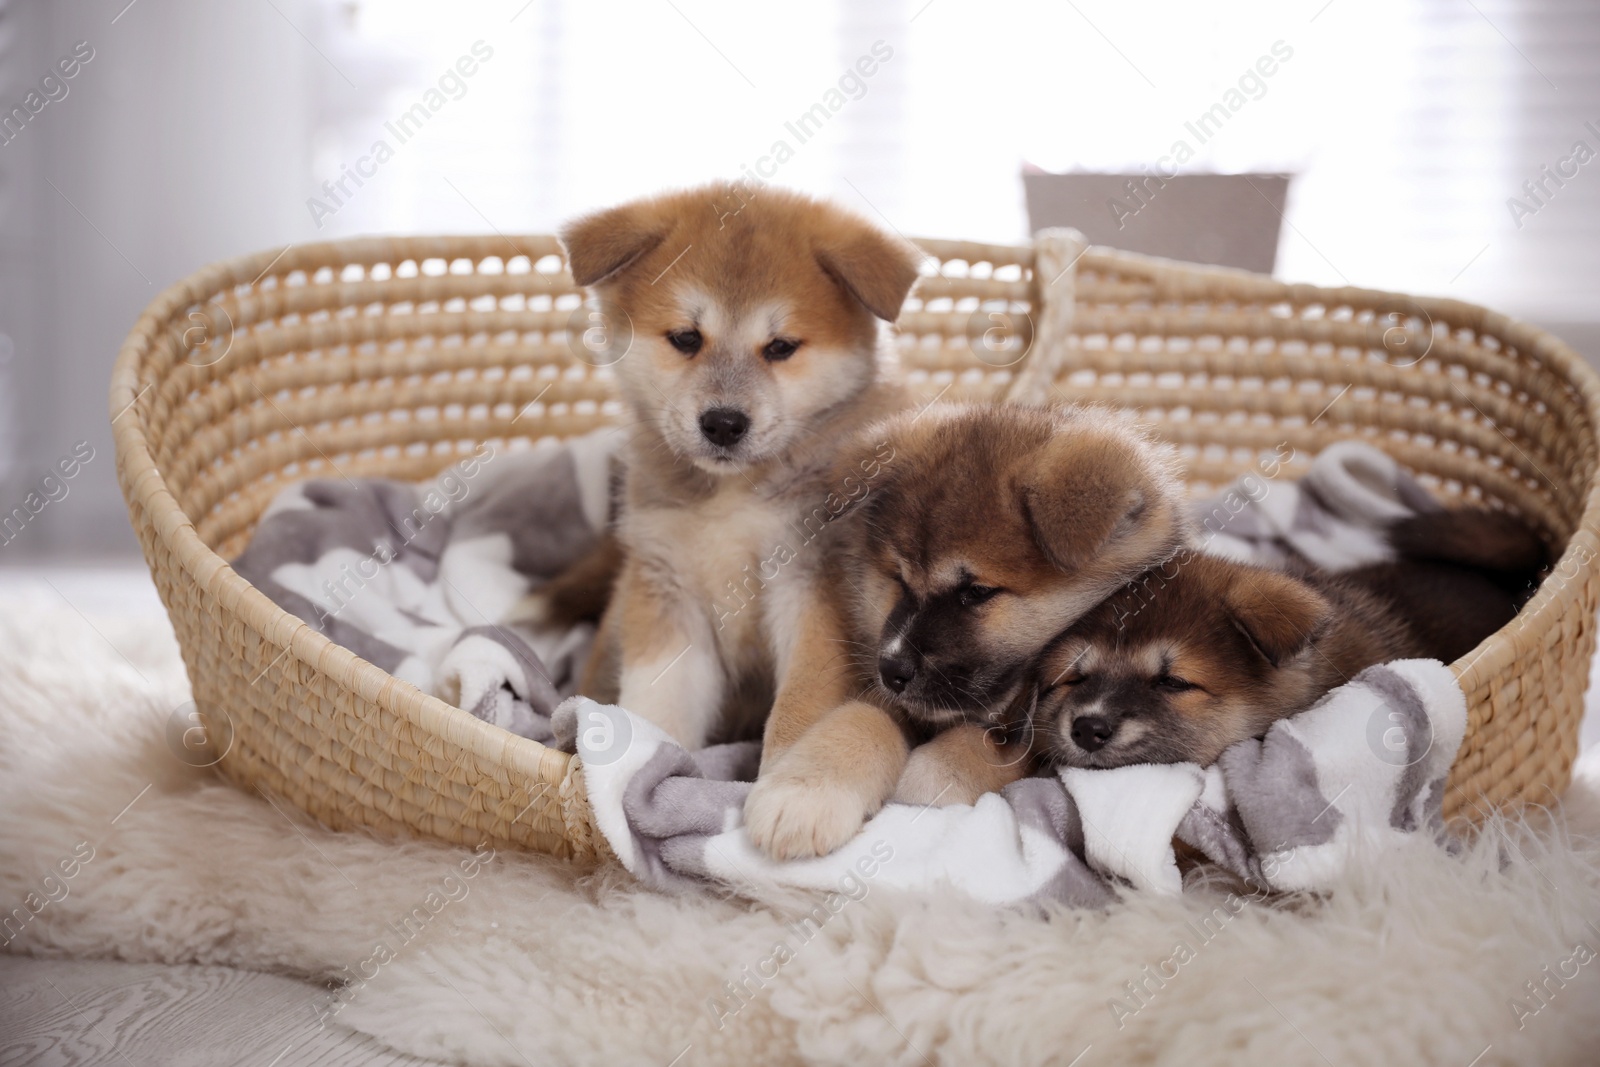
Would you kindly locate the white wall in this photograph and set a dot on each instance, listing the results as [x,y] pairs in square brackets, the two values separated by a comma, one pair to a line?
[166,142]
[200,129]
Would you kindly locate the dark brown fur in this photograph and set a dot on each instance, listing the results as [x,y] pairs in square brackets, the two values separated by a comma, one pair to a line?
[982,532]
[1048,508]
[1201,652]
[581,592]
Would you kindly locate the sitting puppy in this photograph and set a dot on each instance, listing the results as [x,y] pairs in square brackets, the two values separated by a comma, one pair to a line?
[985,531]
[755,351]
[1203,652]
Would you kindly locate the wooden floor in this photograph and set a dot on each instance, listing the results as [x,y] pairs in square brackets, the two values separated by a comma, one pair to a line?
[57,1012]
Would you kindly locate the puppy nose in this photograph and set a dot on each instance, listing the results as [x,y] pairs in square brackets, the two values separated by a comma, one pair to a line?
[897,671]
[724,426]
[1092,732]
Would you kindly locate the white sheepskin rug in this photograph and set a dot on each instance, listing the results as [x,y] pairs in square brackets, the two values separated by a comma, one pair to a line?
[1488,957]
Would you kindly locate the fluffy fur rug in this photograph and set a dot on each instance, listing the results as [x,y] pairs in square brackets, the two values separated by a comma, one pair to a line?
[513,959]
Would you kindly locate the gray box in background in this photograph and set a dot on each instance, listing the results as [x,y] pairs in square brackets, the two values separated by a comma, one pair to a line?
[1229,220]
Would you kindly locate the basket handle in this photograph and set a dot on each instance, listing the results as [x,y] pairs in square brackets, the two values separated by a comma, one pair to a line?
[1056,253]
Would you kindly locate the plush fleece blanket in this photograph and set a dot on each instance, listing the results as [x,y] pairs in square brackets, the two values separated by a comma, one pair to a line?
[113,845]
[415,578]
[1362,769]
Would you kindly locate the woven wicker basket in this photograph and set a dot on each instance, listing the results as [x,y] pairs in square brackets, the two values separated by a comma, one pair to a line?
[396,356]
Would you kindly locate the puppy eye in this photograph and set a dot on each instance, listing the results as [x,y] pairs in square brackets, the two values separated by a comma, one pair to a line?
[1168,683]
[1066,680]
[977,594]
[686,341]
[779,349]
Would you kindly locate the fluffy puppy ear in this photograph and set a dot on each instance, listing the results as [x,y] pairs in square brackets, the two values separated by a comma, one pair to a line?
[876,269]
[1279,615]
[602,245]
[1087,493]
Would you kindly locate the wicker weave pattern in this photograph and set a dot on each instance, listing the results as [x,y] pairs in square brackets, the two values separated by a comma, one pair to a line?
[1484,409]
[398,356]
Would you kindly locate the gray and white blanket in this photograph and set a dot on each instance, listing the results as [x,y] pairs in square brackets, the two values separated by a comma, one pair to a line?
[1360,771]
[415,578]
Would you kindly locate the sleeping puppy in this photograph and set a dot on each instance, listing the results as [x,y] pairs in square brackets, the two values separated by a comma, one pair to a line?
[755,351]
[986,531]
[1201,652]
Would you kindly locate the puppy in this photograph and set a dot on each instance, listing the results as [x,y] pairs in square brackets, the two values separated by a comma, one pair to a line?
[746,329]
[1202,652]
[986,530]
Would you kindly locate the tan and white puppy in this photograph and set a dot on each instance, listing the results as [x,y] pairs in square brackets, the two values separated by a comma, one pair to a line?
[989,530]
[751,329]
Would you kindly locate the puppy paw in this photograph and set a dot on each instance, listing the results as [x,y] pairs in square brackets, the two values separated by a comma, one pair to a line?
[791,817]
[928,783]
[534,609]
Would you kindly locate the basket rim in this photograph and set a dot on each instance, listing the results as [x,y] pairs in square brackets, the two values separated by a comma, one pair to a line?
[144,484]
